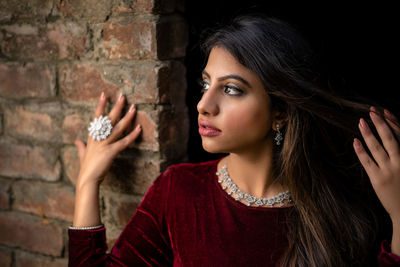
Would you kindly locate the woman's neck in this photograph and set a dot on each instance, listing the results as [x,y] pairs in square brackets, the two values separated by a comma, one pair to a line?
[253,173]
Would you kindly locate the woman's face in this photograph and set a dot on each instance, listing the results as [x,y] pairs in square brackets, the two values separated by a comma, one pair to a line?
[235,110]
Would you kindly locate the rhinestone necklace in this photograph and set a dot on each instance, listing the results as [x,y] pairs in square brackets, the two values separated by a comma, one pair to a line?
[233,188]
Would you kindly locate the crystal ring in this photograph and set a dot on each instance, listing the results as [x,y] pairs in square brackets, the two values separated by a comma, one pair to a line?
[100,128]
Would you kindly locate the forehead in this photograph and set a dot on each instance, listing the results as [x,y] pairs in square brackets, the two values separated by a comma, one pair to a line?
[222,63]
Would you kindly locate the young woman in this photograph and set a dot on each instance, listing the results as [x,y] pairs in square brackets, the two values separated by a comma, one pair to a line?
[288,193]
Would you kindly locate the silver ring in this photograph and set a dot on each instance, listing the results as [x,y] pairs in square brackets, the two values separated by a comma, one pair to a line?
[100,128]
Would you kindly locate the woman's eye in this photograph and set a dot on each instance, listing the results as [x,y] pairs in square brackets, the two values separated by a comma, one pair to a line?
[232,90]
[204,85]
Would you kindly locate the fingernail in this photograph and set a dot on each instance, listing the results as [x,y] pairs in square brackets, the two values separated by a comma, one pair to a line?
[132,108]
[373,115]
[387,112]
[357,143]
[364,124]
[102,95]
[120,97]
[138,127]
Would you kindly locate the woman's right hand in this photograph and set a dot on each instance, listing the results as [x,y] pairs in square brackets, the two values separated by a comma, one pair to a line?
[96,158]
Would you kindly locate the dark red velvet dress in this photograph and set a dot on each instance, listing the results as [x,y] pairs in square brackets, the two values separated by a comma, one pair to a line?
[187,219]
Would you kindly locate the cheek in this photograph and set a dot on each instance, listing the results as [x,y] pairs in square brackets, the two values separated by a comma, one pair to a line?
[249,119]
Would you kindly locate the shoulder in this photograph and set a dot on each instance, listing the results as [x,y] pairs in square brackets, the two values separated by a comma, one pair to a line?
[193,169]
[188,175]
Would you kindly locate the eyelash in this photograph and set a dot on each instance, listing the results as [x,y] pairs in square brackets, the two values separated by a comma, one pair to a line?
[226,87]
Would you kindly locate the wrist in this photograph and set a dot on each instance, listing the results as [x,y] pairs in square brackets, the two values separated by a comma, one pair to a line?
[86,184]
[395,246]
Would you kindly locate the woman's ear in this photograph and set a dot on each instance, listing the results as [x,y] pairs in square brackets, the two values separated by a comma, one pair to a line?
[279,118]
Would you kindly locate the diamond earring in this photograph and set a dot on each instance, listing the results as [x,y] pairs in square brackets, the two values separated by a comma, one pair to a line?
[278,136]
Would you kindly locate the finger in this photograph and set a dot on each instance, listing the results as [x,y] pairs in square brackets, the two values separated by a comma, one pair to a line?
[392,121]
[120,127]
[377,151]
[369,165]
[81,149]
[116,110]
[101,105]
[389,142]
[127,140]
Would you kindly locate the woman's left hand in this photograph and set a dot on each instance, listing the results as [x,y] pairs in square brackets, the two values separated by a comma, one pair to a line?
[384,169]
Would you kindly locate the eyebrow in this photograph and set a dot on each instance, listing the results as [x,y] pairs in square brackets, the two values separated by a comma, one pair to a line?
[230,76]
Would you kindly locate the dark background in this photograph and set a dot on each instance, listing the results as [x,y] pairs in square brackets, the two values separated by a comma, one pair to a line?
[356,45]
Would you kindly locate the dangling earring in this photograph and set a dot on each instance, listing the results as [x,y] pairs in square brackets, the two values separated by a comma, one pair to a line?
[278,137]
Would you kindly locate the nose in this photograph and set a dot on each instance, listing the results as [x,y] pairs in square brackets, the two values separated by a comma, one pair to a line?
[208,104]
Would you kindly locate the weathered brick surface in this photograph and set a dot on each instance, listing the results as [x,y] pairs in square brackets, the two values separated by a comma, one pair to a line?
[131,175]
[27,80]
[91,10]
[174,135]
[5,258]
[44,199]
[148,138]
[23,259]
[172,84]
[29,162]
[5,185]
[85,82]
[70,159]
[172,37]
[40,121]
[74,127]
[120,208]
[126,38]
[25,10]
[30,233]
[59,40]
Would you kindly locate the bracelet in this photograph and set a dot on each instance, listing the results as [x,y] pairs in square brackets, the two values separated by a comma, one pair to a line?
[86,227]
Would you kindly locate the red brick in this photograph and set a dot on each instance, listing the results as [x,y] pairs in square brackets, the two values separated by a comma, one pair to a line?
[131,175]
[5,258]
[60,40]
[144,6]
[27,80]
[83,83]
[174,133]
[172,84]
[25,10]
[92,10]
[149,136]
[23,259]
[30,233]
[39,121]
[29,162]
[172,37]
[75,127]
[127,40]
[71,163]
[120,208]
[5,185]
[44,199]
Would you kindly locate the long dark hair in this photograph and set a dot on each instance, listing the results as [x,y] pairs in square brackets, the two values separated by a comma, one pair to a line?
[335,221]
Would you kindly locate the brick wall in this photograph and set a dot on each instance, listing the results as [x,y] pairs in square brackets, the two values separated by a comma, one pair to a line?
[56,56]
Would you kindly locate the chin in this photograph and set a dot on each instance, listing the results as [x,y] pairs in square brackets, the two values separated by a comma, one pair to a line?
[213,148]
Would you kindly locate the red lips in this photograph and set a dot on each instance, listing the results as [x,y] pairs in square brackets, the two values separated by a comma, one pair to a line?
[207,129]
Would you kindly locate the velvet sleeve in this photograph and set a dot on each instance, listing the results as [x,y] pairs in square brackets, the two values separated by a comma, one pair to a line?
[143,242]
[386,258]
